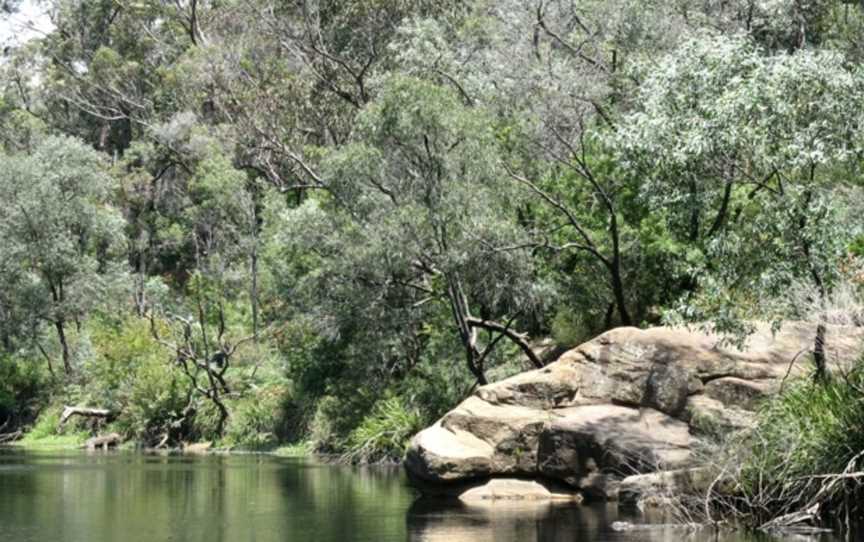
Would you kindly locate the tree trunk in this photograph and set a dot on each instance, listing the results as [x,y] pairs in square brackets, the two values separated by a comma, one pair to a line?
[474,367]
[618,292]
[223,412]
[819,354]
[64,346]
[514,337]
[468,336]
[607,319]
[193,22]
[615,269]
[254,292]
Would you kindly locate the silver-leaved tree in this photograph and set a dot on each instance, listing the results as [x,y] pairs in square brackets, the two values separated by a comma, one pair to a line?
[747,154]
[60,240]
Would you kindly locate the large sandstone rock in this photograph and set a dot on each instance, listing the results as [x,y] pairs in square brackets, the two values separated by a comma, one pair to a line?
[628,402]
[589,446]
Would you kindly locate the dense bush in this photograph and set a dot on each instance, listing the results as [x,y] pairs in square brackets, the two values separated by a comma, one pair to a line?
[24,389]
[47,424]
[257,421]
[47,431]
[384,433]
[802,461]
[131,374]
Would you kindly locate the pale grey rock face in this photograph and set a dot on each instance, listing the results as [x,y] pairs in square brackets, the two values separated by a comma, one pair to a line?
[627,403]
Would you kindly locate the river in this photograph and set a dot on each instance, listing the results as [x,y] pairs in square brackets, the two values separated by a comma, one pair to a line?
[128,497]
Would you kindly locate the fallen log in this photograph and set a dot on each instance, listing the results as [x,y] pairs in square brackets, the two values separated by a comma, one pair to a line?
[6,438]
[111,440]
[85,412]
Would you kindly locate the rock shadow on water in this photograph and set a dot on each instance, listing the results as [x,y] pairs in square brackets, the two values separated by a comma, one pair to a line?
[449,520]
[439,520]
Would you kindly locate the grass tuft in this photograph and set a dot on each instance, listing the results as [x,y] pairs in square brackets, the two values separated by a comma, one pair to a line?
[384,434]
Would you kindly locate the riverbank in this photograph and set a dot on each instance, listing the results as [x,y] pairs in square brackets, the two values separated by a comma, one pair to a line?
[801,466]
[77,441]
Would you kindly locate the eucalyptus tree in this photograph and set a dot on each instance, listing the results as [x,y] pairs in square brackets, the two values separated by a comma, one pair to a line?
[554,71]
[744,152]
[341,44]
[419,216]
[101,72]
[191,212]
[197,219]
[291,77]
[60,240]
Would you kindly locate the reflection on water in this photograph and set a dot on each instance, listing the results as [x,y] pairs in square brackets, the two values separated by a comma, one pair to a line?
[502,521]
[135,498]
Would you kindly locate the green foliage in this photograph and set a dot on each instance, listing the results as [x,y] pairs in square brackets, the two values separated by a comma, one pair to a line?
[154,401]
[375,267]
[61,242]
[333,420]
[384,433]
[568,329]
[46,433]
[748,153]
[269,225]
[804,435]
[300,449]
[131,374]
[817,424]
[23,389]
[256,421]
[47,424]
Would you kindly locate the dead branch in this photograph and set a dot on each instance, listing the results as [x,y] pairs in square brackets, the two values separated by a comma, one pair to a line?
[85,412]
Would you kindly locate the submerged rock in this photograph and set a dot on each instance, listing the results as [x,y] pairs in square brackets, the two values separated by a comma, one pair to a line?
[513,489]
[627,403]
[103,442]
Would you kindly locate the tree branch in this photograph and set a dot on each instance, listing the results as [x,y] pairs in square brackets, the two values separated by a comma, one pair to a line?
[516,338]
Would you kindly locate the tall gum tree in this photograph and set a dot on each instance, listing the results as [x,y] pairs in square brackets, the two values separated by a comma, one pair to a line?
[59,234]
[421,215]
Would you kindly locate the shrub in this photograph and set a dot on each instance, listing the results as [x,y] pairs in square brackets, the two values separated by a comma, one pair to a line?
[132,374]
[330,423]
[47,433]
[797,460]
[204,423]
[569,328]
[47,424]
[153,402]
[383,435]
[24,389]
[255,420]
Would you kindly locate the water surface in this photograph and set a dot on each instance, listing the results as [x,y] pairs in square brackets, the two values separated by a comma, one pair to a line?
[127,497]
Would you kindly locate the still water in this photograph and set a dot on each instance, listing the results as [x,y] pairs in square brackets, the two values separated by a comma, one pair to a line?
[76,497]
